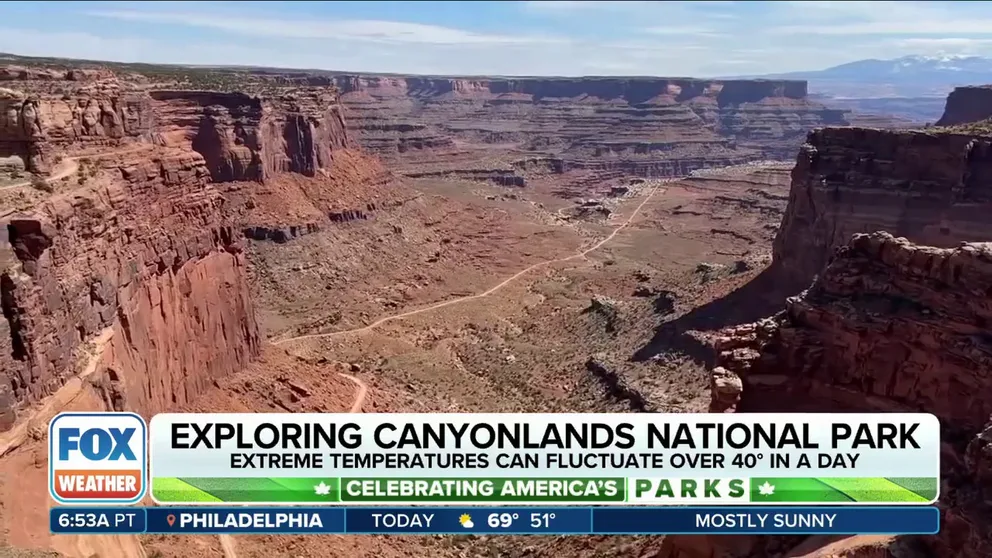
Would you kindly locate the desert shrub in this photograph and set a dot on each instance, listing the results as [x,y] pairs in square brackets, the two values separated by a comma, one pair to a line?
[39,183]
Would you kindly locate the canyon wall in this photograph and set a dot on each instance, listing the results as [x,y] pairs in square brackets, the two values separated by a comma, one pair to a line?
[132,272]
[967,104]
[53,118]
[652,127]
[631,90]
[146,266]
[888,325]
[933,188]
[247,137]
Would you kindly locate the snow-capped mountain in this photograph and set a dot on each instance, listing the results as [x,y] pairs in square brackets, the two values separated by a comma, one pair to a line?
[908,76]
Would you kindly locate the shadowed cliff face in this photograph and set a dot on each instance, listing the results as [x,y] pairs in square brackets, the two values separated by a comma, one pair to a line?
[932,188]
[147,258]
[967,104]
[133,271]
[242,137]
[887,326]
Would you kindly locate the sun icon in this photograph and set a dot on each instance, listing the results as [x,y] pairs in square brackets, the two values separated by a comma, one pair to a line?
[466,521]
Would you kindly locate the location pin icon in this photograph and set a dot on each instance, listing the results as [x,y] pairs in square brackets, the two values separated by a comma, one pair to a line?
[170,519]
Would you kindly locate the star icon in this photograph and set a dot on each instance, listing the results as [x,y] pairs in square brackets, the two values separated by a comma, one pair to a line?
[322,489]
[766,489]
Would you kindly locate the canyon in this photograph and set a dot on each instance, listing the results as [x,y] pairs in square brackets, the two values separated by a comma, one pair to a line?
[648,127]
[233,240]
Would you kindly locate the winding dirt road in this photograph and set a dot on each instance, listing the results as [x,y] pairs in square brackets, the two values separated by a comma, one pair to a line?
[227,541]
[500,285]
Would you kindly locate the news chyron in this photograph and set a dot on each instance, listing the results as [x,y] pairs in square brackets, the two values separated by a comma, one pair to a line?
[97,458]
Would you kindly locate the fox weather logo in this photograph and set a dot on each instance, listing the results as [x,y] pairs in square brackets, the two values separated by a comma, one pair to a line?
[97,458]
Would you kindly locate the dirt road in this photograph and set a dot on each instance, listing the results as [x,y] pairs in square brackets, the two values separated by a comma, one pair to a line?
[500,285]
[227,541]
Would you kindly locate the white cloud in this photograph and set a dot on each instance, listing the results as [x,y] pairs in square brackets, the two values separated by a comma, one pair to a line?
[365,30]
[30,42]
[684,30]
[929,45]
[885,18]
[607,38]
[568,6]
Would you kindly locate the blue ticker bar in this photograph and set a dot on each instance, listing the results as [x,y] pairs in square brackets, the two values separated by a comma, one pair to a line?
[728,520]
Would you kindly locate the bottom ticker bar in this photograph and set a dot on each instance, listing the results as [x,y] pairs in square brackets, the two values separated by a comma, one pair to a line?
[855,520]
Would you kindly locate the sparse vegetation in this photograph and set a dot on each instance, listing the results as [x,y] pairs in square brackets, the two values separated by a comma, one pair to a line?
[980,128]
[40,183]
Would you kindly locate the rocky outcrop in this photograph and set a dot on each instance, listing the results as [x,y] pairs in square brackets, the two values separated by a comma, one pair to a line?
[23,73]
[933,188]
[36,127]
[967,104]
[280,234]
[888,325]
[147,258]
[499,177]
[246,137]
[889,321]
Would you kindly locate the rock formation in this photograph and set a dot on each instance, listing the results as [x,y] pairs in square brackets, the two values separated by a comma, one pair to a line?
[246,137]
[888,325]
[967,104]
[138,277]
[652,127]
[36,127]
[933,188]
[888,234]
[148,258]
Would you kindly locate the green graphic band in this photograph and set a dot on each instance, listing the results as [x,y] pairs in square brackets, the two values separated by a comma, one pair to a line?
[821,490]
[762,490]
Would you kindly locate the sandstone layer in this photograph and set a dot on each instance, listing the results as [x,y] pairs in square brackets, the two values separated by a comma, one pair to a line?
[247,137]
[887,326]
[967,104]
[148,258]
[36,127]
[933,188]
[652,127]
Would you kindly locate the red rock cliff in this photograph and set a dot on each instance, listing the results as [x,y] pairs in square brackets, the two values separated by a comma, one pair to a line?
[245,137]
[653,127]
[967,104]
[632,90]
[36,126]
[887,326]
[932,188]
[145,260]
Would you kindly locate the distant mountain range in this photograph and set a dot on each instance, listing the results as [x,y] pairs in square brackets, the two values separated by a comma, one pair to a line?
[913,87]
[909,76]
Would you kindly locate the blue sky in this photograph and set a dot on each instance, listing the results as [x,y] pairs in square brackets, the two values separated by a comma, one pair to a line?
[500,38]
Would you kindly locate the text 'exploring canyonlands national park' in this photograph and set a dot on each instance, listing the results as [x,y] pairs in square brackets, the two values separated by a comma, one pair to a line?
[496,279]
